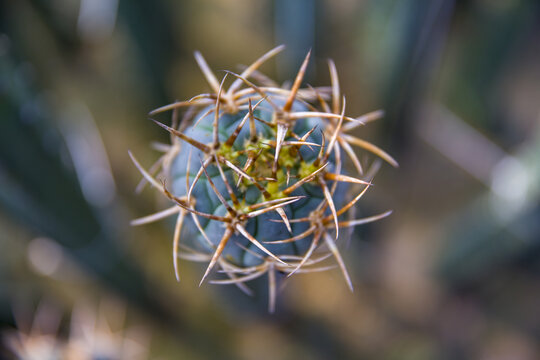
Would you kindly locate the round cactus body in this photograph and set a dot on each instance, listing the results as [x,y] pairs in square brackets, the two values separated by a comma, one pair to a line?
[267,227]
[256,176]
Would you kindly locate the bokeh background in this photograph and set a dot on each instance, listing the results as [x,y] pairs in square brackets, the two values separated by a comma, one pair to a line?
[454,273]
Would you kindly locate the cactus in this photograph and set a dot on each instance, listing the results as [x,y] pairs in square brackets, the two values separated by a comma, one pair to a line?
[255,174]
[90,334]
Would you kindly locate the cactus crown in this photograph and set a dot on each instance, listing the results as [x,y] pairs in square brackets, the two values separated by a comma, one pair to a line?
[256,177]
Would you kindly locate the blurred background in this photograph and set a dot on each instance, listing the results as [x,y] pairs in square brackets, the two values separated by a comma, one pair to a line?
[454,273]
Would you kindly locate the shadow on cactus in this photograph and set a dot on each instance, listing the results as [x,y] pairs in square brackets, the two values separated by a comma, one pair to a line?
[255,174]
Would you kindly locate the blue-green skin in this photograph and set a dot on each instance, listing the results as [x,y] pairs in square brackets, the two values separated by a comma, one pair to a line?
[260,227]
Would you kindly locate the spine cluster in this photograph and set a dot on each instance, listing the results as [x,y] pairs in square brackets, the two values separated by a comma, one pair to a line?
[257,169]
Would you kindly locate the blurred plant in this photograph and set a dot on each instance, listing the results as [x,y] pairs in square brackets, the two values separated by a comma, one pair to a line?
[52,197]
[500,227]
[91,336]
[271,172]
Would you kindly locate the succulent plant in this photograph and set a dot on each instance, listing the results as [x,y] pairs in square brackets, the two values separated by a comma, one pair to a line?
[90,335]
[255,173]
